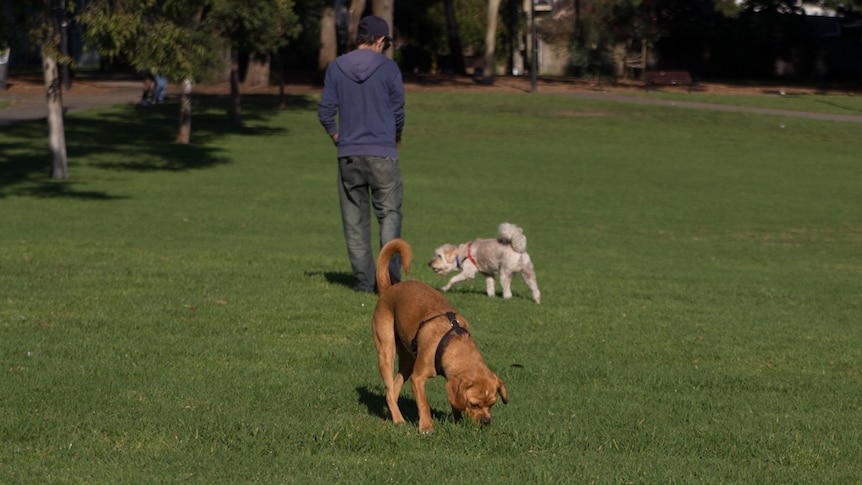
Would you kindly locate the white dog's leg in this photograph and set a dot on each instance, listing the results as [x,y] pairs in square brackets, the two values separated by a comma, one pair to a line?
[506,283]
[489,285]
[529,275]
[468,271]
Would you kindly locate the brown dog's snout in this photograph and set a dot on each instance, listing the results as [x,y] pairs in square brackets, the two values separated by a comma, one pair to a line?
[484,420]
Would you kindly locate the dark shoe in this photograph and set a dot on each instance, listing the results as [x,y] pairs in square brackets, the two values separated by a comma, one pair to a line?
[361,288]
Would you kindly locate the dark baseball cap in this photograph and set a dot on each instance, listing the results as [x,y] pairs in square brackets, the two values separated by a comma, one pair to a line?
[374,26]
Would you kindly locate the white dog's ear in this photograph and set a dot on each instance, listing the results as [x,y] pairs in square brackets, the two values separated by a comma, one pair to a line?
[450,253]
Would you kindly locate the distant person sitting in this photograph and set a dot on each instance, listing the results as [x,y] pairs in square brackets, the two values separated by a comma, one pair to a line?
[147,95]
[161,83]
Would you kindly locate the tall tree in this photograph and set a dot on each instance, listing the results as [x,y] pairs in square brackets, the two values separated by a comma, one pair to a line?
[356,12]
[454,35]
[385,9]
[491,41]
[49,35]
[381,8]
[183,40]
[165,37]
[328,38]
[251,26]
[43,17]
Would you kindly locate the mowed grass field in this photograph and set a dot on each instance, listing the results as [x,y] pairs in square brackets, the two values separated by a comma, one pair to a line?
[184,314]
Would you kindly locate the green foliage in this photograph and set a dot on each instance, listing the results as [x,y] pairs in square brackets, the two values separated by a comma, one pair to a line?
[253,25]
[305,49]
[12,14]
[164,37]
[186,39]
[783,6]
[728,8]
[423,25]
[184,313]
[594,57]
[852,8]
[35,25]
[472,20]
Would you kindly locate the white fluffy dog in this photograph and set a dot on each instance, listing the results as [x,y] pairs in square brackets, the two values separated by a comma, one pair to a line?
[504,256]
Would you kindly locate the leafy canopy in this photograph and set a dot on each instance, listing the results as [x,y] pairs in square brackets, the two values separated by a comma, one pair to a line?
[186,39]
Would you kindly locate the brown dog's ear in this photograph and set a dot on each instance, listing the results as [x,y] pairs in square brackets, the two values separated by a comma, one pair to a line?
[501,388]
[455,389]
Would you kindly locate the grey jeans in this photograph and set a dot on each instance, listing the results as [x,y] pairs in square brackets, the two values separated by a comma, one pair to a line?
[366,183]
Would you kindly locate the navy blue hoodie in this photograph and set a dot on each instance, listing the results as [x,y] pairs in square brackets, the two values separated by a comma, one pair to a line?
[365,90]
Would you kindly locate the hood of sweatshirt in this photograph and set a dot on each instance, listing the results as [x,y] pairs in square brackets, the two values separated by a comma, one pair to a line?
[360,64]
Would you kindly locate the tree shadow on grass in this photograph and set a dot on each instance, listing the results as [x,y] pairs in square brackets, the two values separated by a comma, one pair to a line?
[376,403]
[129,138]
[65,190]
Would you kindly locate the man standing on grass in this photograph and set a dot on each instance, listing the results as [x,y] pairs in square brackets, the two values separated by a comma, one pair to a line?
[364,89]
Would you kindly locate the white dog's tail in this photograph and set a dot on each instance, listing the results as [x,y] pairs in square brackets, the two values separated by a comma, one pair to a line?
[514,235]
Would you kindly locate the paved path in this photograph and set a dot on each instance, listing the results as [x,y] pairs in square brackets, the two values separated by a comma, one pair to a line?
[717,107]
[31,106]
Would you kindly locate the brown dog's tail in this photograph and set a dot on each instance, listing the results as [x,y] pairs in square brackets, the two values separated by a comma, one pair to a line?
[394,246]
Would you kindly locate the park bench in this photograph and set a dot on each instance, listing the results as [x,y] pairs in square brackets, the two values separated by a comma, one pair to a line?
[667,78]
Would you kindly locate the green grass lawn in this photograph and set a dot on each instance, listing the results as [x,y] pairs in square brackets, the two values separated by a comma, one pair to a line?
[184,313]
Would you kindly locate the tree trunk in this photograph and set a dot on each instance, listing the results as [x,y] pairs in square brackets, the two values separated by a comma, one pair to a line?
[385,10]
[454,38]
[381,8]
[328,42]
[185,113]
[56,131]
[235,112]
[282,98]
[356,11]
[258,72]
[490,42]
[579,30]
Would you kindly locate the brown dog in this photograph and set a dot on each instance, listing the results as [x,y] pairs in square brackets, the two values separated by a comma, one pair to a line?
[431,338]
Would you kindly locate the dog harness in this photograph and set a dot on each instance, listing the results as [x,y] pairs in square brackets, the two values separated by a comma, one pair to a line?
[454,329]
[469,258]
